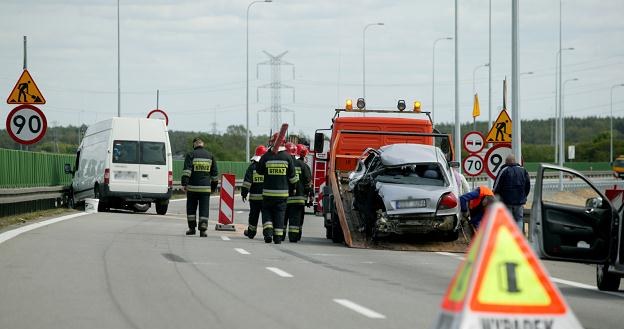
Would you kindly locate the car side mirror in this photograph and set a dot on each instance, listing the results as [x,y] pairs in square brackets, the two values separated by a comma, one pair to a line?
[454,164]
[593,203]
[68,169]
[319,142]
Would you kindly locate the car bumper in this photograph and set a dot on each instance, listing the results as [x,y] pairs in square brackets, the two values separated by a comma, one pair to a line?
[416,224]
[135,197]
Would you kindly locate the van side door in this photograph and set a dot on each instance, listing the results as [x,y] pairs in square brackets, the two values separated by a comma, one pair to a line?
[576,223]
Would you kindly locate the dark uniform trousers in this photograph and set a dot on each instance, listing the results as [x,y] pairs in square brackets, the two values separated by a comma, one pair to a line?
[273,213]
[255,207]
[193,200]
[294,220]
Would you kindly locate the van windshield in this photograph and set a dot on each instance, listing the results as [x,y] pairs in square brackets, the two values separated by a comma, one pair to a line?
[133,152]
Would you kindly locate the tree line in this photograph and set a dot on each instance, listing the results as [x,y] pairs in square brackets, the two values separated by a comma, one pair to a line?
[589,135]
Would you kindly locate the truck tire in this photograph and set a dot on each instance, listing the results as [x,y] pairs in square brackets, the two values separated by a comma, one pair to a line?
[328,232]
[337,235]
[606,281]
[450,236]
[161,208]
[71,201]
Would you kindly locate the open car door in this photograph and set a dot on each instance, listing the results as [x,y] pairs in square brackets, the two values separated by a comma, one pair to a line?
[571,224]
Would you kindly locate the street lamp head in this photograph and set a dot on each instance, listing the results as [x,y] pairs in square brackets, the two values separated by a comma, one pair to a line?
[268,0]
[448,38]
[486,65]
[380,23]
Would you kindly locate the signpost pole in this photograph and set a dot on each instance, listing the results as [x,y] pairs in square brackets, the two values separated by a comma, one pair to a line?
[25,63]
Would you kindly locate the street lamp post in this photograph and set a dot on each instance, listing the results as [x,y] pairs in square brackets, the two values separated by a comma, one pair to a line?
[433,78]
[562,132]
[364,56]
[247,79]
[557,100]
[520,76]
[611,123]
[474,73]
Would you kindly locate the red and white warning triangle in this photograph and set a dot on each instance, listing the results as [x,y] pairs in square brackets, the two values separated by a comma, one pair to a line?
[502,284]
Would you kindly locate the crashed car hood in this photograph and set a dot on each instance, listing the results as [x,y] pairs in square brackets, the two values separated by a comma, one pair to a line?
[390,193]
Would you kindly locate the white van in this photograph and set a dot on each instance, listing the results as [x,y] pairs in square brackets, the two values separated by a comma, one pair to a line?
[126,163]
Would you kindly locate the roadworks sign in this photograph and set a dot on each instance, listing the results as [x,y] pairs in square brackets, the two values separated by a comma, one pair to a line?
[502,284]
[501,129]
[25,91]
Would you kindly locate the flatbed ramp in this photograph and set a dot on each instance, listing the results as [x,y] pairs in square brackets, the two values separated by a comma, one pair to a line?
[411,242]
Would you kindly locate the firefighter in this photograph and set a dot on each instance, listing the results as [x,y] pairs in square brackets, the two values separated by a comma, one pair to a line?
[199,178]
[475,202]
[252,187]
[279,174]
[295,210]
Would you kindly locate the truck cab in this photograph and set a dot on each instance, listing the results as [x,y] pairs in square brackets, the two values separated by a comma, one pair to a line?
[582,226]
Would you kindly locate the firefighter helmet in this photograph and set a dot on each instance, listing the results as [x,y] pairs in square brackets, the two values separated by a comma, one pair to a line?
[260,150]
[302,150]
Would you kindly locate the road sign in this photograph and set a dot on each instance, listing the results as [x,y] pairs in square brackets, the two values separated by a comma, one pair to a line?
[501,129]
[25,91]
[472,165]
[26,124]
[226,203]
[502,283]
[474,142]
[495,159]
[158,114]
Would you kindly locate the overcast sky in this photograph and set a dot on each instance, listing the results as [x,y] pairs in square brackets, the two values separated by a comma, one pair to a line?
[194,52]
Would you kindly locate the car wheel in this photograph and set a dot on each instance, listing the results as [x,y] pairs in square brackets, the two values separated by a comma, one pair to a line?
[606,281]
[450,236]
[141,207]
[161,208]
[337,235]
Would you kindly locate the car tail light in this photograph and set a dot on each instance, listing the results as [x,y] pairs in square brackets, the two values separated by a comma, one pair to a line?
[447,201]
[170,179]
[106,176]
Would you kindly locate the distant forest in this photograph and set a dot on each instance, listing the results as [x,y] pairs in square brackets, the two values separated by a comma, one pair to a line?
[589,135]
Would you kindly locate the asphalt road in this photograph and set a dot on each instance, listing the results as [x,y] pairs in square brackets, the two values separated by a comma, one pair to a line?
[127,270]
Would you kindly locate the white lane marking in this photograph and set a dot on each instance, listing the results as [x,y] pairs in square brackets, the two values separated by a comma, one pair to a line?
[359,308]
[13,233]
[225,238]
[584,286]
[556,280]
[242,251]
[450,254]
[279,272]
[184,199]
[240,212]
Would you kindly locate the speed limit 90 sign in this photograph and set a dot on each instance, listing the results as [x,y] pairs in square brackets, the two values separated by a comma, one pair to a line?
[495,159]
[26,124]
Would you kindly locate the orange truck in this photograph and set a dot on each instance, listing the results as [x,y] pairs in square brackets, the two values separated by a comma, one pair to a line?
[349,139]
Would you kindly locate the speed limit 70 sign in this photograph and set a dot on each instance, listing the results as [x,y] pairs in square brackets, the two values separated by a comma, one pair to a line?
[26,124]
[473,165]
[495,159]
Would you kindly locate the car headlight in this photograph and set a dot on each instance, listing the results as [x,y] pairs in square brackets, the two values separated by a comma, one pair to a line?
[411,203]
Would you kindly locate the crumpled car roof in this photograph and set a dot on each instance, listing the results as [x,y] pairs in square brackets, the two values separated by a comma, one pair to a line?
[399,154]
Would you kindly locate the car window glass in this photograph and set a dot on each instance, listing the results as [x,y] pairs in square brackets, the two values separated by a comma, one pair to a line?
[153,153]
[125,152]
[575,192]
[415,174]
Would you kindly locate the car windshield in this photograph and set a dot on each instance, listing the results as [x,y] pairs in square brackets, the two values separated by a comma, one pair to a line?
[618,163]
[413,174]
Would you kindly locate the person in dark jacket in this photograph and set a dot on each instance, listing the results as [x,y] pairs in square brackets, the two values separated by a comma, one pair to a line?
[513,185]
[252,187]
[295,205]
[279,174]
[199,178]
